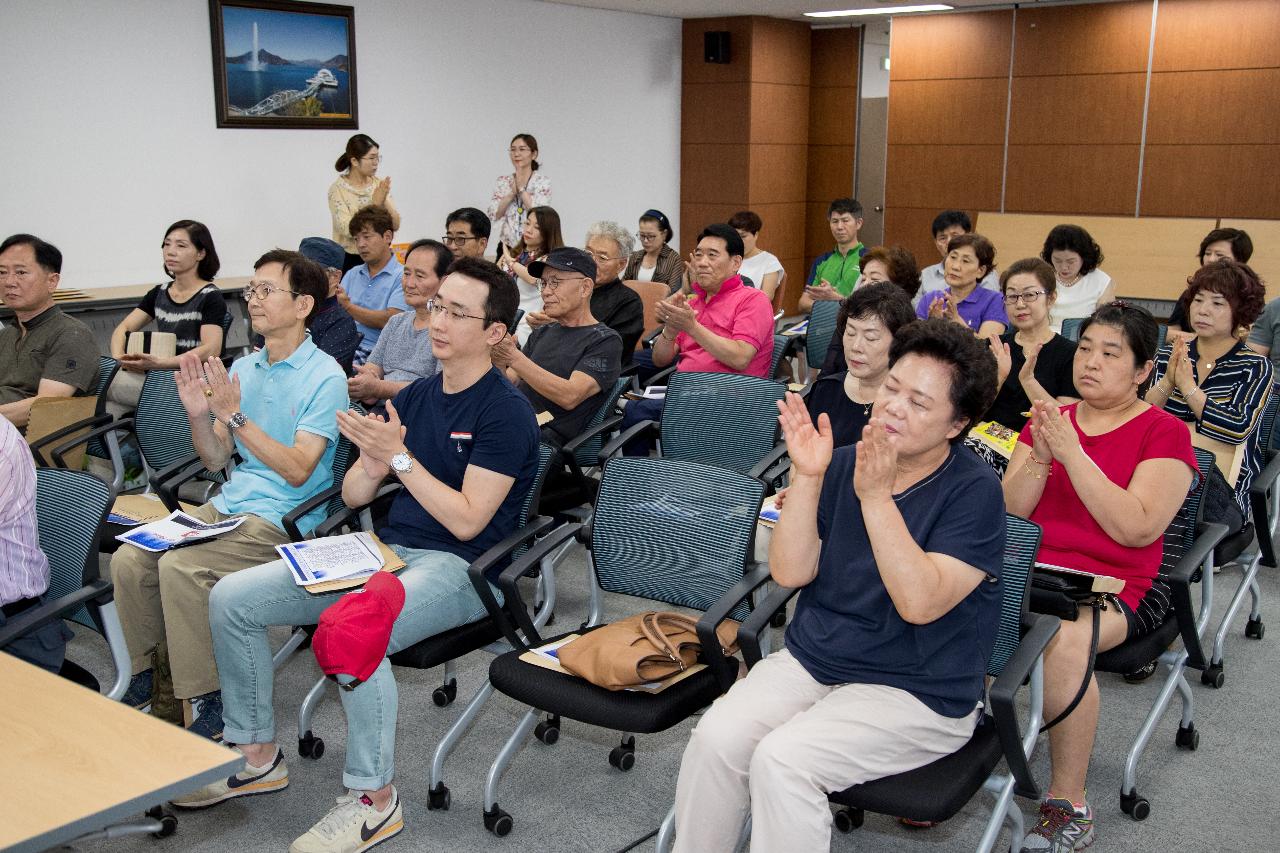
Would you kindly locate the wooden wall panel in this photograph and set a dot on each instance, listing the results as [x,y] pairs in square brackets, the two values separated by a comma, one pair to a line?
[933,47]
[694,217]
[1214,107]
[779,113]
[833,116]
[1266,249]
[779,51]
[776,173]
[1216,34]
[830,169]
[714,112]
[833,57]
[950,112]
[783,231]
[1104,109]
[715,174]
[817,234]
[1100,38]
[911,228]
[1212,180]
[1072,179]
[942,176]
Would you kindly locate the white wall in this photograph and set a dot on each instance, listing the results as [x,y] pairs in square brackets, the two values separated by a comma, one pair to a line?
[110,132]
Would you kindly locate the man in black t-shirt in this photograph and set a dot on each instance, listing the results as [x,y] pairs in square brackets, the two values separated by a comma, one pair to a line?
[568,364]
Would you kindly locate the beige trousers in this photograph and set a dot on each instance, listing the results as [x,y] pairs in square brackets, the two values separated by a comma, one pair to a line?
[166,596]
[779,741]
[123,393]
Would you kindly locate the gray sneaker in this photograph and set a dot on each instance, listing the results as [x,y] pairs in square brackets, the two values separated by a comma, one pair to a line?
[1062,829]
[249,781]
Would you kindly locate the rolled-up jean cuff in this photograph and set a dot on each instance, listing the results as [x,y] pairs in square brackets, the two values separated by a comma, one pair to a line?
[240,736]
[368,783]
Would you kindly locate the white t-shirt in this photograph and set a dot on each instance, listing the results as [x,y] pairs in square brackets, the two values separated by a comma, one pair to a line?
[1079,299]
[757,267]
[646,273]
[530,301]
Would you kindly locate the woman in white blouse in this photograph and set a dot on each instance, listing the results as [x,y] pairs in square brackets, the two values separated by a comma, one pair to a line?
[515,194]
[763,268]
[1082,287]
[357,186]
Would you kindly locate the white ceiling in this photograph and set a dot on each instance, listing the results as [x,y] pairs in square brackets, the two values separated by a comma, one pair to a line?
[789,9]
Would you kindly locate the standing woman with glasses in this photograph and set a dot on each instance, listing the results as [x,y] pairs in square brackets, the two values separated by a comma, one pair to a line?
[357,186]
[655,260]
[514,195]
[1082,287]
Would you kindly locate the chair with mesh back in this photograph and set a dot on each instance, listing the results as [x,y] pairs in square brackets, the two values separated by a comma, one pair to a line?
[102,446]
[71,507]
[820,331]
[785,348]
[581,453]
[639,543]
[1071,328]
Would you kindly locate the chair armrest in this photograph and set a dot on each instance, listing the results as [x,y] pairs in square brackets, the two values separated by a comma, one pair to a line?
[290,519]
[1262,484]
[725,668]
[1208,535]
[348,513]
[489,559]
[165,482]
[761,469]
[629,370]
[88,423]
[649,337]
[614,446]
[508,580]
[1003,708]
[661,376]
[37,617]
[122,425]
[753,625]
[570,448]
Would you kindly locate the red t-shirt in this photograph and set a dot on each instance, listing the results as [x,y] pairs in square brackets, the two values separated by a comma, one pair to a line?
[1072,537]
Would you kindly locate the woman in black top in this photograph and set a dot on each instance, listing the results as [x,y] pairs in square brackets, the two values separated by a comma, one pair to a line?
[869,318]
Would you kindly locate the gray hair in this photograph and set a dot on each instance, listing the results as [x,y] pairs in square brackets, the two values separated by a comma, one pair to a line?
[615,232]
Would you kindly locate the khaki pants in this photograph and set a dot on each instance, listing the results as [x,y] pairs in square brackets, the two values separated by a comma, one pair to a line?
[166,596]
[779,741]
[123,393]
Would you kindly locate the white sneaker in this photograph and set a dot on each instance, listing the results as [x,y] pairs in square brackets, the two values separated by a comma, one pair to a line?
[352,826]
[251,780]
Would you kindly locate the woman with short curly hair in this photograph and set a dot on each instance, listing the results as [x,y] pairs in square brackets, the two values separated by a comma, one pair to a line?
[1082,286]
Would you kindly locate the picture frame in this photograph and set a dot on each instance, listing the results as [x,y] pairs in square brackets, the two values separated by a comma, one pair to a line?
[283,64]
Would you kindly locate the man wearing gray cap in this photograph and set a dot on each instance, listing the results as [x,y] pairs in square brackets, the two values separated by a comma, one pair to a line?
[332,329]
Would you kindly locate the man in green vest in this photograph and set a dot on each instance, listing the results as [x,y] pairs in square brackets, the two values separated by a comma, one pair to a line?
[833,275]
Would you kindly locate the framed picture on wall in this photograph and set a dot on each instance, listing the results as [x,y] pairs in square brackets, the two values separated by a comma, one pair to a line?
[282,63]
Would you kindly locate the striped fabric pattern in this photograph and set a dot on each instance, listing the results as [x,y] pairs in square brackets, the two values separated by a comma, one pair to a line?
[160,423]
[724,419]
[674,531]
[343,455]
[70,508]
[107,367]
[820,331]
[1021,542]
[589,453]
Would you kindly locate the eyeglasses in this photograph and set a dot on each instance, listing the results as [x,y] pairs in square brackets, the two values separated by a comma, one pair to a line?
[262,291]
[550,285]
[436,308]
[519,149]
[647,237]
[600,259]
[372,158]
[1031,297]
[450,240]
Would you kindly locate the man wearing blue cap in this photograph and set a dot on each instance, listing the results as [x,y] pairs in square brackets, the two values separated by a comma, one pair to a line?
[332,329]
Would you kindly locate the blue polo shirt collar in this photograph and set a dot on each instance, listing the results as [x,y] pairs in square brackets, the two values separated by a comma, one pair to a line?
[296,359]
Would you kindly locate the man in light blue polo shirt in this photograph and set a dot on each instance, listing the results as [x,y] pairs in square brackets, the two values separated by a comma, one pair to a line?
[276,408]
[372,293]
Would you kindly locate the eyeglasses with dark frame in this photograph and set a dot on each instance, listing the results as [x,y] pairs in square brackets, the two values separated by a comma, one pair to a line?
[262,291]
[1031,297]
[435,308]
[551,285]
[450,240]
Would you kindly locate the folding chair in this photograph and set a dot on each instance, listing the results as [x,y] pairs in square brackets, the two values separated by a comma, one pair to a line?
[785,348]
[820,331]
[639,544]
[106,447]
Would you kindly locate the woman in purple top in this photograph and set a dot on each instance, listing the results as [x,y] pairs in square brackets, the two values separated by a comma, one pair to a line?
[970,257]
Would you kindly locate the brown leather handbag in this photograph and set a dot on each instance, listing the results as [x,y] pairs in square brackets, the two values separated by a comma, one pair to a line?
[641,649]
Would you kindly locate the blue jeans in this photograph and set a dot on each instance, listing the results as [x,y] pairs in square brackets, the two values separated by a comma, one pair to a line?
[438,597]
[635,412]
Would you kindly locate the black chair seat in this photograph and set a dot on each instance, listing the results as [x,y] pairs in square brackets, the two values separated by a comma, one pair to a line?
[935,791]
[451,645]
[578,699]
[1233,546]
[1131,656]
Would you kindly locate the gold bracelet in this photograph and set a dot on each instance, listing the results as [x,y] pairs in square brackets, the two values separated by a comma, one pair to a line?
[1031,457]
[1034,474]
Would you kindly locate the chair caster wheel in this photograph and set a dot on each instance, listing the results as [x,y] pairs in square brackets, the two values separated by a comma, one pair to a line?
[1134,806]
[551,620]
[778,619]
[847,820]
[623,756]
[497,821]
[1213,676]
[310,746]
[548,731]
[1255,629]
[168,821]
[445,693]
[439,798]
[1188,737]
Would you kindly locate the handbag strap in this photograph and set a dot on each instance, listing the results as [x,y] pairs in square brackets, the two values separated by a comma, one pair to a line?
[1098,604]
[651,627]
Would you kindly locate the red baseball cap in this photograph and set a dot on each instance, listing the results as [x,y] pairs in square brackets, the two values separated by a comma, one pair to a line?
[352,635]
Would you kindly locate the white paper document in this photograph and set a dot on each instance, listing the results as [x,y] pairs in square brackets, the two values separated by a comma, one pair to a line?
[332,558]
[176,529]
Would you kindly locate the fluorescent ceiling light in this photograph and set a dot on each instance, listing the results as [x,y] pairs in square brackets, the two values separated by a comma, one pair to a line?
[884,10]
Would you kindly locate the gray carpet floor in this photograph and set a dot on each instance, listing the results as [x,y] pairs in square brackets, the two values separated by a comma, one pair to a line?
[566,797]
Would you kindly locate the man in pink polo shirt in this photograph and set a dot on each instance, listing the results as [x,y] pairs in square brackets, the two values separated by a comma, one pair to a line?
[726,327]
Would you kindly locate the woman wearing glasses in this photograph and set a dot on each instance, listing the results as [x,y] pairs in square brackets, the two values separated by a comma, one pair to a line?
[540,235]
[655,260]
[357,186]
[514,195]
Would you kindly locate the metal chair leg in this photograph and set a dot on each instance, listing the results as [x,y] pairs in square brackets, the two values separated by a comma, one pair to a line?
[508,751]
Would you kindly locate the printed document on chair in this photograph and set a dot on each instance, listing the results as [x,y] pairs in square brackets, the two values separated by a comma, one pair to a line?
[332,558]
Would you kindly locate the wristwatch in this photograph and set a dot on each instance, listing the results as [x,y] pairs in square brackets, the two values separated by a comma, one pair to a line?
[402,463]
[236,421]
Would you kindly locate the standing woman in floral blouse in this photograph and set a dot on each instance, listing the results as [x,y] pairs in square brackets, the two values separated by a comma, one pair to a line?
[358,186]
[515,194]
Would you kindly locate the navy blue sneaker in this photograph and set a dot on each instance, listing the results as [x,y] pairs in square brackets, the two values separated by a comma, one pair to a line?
[206,712]
[141,686]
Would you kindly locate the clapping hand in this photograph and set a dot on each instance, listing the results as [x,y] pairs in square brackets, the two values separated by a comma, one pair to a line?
[674,312]
[1004,359]
[224,399]
[822,292]
[503,352]
[381,191]
[193,391]
[1052,432]
[1180,368]
[537,318]
[1028,370]
[378,439]
[809,447]
[877,464]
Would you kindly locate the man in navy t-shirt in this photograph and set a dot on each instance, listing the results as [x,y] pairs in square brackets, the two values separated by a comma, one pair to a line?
[897,543]
[464,445]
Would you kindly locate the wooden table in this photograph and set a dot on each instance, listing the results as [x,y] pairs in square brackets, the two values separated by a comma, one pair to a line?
[76,762]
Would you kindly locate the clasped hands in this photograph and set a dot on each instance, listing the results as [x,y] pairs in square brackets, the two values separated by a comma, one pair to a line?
[206,387]
[377,437]
[1053,436]
[946,307]
[674,313]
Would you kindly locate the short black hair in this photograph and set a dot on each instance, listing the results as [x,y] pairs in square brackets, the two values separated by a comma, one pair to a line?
[47,255]
[306,277]
[200,237]
[947,218]
[1073,238]
[973,367]
[480,225]
[444,256]
[746,220]
[503,298]
[373,216]
[732,239]
[884,300]
[1241,243]
[845,205]
[1138,328]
